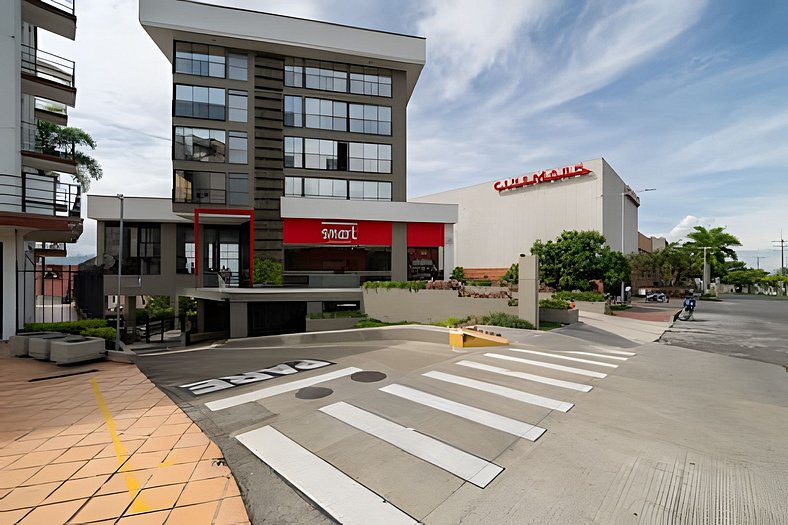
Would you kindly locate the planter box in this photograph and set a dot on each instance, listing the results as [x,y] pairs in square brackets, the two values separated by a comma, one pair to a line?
[20,343]
[551,315]
[39,346]
[76,349]
[426,306]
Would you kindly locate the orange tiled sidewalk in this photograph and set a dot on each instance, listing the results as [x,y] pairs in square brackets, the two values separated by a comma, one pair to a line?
[104,447]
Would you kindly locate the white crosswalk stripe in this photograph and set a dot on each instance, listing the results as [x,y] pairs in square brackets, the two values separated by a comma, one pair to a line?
[565,357]
[262,393]
[471,468]
[530,377]
[503,391]
[613,351]
[591,354]
[340,496]
[477,415]
[553,366]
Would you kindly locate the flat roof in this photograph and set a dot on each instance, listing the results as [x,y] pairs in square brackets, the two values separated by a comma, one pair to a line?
[304,208]
[169,20]
[136,209]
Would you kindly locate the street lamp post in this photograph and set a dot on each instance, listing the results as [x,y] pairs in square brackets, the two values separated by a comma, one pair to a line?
[120,273]
[623,252]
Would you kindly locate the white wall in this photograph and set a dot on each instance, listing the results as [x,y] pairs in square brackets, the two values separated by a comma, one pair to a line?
[8,291]
[494,229]
[612,188]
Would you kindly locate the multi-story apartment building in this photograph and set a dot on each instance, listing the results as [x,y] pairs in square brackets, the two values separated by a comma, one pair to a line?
[289,144]
[39,209]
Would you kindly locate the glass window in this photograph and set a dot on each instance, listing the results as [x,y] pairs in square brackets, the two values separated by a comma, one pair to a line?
[238,107]
[293,112]
[370,119]
[370,158]
[294,72]
[326,114]
[326,76]
[184,248]
[294,152]
[370,81]
[199,59]
[238,148]
[238,189]
[238,66]
[199,102]
[294,187]
[320,154]
[325,188]
[370,190]
[199,144]
[141,247]
[199,187]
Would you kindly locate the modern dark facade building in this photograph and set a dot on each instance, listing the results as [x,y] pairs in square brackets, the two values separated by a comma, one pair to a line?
[289,144]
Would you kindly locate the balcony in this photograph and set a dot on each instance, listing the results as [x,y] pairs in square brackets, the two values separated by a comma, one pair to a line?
[40,195]
[56,16]
[51,111]
[40,156]
[48,76]
[49,249]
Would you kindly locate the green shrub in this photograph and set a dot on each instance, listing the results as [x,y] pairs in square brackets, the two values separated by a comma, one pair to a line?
[452,322]
[413,286]
[505,320]
[513,302]
[591,297]
[512,275]
[458,274]
[107,333]
[187,306]
[479,282]
[67,327]
[267,271]
[554,304]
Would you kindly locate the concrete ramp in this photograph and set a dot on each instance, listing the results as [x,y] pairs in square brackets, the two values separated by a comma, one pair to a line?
[641,332]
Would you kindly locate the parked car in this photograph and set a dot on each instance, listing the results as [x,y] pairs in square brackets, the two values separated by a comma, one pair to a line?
[657,297]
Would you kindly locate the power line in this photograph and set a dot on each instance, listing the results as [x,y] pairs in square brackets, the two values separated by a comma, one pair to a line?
[758,261]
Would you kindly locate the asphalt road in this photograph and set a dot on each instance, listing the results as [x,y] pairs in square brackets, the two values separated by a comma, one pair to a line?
[550,429]
[750,327]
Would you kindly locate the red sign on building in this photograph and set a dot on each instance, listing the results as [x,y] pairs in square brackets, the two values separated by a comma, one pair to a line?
[336,232]
[540,177]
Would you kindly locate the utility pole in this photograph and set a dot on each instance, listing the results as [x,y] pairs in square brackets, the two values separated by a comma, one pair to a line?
[781,244]
[758,261]
[706,269]
[120,274]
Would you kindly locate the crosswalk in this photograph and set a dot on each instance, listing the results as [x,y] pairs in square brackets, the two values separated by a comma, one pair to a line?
[500,391]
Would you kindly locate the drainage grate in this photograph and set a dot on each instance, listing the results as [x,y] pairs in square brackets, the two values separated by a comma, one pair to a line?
[62,375]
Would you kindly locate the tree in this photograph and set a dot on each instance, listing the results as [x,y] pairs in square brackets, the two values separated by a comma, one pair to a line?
[63,141]
[719,245]
[577,258]
[746,277]
[267,271]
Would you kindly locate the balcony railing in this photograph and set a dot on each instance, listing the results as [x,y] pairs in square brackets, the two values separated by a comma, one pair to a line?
[32,140]
[51,106]
[39,194]
[47,66]
[63,5]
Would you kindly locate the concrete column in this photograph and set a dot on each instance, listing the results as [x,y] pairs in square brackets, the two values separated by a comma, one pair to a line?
[448,250]
[399,251]
[528,303]
[238,320]
[130,313]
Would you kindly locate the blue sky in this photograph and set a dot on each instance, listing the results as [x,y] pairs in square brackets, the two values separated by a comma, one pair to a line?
[687,96]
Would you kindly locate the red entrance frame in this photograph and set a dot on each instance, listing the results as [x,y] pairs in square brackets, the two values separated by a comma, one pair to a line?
[222,211]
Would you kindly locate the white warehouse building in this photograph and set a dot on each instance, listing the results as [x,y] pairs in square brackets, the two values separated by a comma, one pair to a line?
[499,220]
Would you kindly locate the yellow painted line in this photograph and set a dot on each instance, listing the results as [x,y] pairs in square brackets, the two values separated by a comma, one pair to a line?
[132,483]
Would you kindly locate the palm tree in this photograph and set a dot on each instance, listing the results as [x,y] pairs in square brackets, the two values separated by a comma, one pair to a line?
[63,141]
[718,243]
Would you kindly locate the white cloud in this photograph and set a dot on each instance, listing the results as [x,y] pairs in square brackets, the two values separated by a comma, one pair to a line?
[685,226]
[465,37]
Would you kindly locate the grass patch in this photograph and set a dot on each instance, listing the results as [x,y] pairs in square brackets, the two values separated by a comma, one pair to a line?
[413,286]
[375,323]
[546,326]
[591,297]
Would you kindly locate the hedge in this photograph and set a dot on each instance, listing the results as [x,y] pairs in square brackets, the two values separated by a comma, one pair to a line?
[106,332]
[591,297]
[68,327]
[554,304]
[413,286]
[505,320]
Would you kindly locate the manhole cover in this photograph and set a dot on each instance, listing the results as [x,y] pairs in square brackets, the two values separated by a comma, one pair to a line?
[368,376]
[313,392]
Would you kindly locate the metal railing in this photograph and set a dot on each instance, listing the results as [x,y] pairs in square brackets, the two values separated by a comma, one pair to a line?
[32,141]
[51,106]
[55,246]
[39,194]
[63,5]
[59,293]
[47,66]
